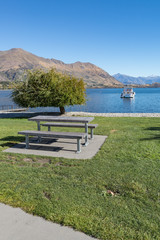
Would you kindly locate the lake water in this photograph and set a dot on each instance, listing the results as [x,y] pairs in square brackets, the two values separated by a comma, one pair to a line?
[147,100]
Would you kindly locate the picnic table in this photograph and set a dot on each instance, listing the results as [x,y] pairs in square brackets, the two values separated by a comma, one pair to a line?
[84,120]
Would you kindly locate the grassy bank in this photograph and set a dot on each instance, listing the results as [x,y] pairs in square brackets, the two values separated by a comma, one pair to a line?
[115,195]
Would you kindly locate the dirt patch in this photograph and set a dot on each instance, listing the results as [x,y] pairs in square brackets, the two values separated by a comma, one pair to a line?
[64,164]
[47,195]
[27,159]
[45,160]
[58,164]
[11,157]
[113,130]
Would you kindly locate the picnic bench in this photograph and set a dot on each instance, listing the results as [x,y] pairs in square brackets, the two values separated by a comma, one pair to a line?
[69,135]
[74,125]
[83,120]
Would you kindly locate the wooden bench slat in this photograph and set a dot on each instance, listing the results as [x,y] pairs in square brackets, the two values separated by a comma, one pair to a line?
[53,134]
[80,125]
[68,125]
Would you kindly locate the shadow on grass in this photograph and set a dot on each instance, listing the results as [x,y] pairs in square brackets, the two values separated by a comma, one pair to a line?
[152,137]
[8,144]
[13,138]
[9,141]
[153,128]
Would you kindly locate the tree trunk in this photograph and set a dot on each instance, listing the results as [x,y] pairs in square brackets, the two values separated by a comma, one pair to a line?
[62,110]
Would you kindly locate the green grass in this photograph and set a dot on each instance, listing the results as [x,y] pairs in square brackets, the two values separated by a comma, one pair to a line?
[75,192]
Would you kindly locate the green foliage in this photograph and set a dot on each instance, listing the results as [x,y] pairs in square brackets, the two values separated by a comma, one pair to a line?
[5,85]
[49,89]
[77,193]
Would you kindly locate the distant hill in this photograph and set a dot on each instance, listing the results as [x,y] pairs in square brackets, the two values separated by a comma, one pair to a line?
[14,61]
[125,79]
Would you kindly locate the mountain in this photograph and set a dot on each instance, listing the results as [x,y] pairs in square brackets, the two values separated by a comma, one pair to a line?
[14,61]
[125,79]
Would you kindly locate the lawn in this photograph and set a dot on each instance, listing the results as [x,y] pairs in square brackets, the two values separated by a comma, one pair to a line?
[115,195]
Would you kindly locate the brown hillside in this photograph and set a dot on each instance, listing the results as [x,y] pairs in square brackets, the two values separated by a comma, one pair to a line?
[13,63]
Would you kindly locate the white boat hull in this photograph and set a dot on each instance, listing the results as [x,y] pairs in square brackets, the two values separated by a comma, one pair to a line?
[127,93]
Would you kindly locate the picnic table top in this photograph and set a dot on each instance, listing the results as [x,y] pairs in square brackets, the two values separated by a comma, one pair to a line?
[61,119]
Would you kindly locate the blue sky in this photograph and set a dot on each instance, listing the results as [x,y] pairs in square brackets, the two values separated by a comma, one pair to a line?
[120,36]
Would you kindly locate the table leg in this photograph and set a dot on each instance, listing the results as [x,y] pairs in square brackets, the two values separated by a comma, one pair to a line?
[27,141]
[78,145]
[91,133]
[86,131]
[39,129]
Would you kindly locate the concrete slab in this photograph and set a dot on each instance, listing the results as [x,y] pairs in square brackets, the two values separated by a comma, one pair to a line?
[60,148]
[15,224]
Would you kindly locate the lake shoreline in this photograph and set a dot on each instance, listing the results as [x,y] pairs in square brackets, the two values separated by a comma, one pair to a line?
[32,114]
[113,114]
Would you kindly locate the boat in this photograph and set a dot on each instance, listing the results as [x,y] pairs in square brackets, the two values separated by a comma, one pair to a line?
[128,93]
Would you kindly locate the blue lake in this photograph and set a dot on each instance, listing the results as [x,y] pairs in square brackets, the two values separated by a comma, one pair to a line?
[147,100]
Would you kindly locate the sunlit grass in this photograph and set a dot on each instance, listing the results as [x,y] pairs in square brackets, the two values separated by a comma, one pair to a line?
[115,195]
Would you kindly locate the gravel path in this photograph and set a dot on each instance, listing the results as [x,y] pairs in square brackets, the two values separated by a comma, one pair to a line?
[31,114]
[113,114]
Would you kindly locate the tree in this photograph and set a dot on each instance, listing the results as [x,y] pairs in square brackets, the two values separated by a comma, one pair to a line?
[49,89]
